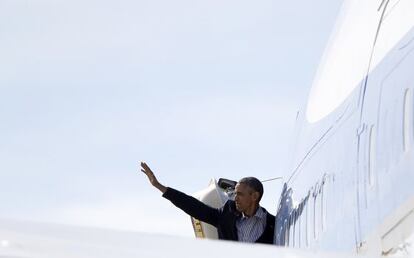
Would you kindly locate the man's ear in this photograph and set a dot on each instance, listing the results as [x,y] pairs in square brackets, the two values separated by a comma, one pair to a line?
[256,196]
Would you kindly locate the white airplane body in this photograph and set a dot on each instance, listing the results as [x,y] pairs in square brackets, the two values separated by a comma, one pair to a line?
[350,191]
[353,170]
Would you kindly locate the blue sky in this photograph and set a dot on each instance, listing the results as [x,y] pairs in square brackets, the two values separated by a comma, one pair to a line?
[197,89]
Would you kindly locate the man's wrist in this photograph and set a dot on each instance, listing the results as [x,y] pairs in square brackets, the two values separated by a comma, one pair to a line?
[160,187]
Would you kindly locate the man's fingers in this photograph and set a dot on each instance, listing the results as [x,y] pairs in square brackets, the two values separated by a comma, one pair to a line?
[145,166]
[147,171]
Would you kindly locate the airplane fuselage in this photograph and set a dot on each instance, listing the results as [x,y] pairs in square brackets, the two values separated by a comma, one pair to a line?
[353,170]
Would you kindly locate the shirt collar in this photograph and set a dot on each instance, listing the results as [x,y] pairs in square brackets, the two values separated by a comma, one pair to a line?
[260,214]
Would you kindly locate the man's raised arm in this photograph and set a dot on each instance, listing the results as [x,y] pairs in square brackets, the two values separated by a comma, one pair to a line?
[187,203]
[151,177]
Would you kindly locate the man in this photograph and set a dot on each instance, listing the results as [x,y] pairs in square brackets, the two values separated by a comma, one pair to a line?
[240,220]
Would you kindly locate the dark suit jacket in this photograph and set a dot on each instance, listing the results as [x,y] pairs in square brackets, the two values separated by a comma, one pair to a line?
[224,218]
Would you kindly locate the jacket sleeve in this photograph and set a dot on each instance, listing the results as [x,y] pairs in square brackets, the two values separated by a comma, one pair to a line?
[192,206]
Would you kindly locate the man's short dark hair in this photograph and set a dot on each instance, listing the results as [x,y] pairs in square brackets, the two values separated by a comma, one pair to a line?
[254,184]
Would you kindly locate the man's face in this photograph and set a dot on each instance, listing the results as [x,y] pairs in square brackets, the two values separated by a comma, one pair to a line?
[245,197]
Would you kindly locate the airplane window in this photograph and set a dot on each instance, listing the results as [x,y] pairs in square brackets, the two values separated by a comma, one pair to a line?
[315,217]
[292,229]
[299,231]
[303,221]
[323,206]
[287,229]
[408,114]
[296,228]
[311,226]
[372,155]
[307,224]
[318,215]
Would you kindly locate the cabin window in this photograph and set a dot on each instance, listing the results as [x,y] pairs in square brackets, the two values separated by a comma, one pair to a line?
[372,155]
[319,211]
[315,214]
[298,233]
[408,122]
[292,228]
[323,206]
[287,229]
[302,223]
[308,222]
